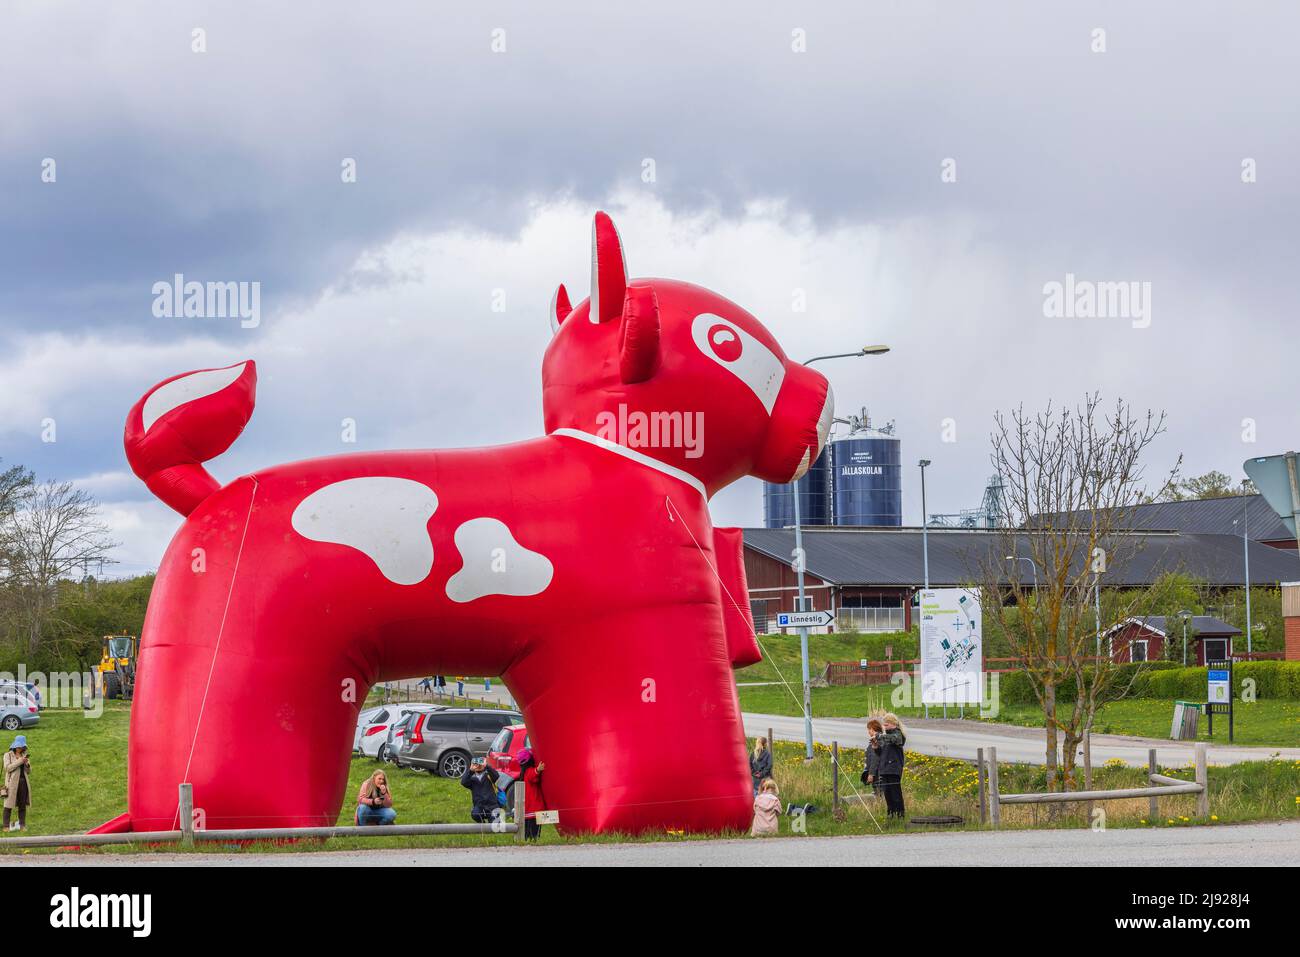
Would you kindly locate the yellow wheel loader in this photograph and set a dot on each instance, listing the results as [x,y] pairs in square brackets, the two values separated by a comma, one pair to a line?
[115,673]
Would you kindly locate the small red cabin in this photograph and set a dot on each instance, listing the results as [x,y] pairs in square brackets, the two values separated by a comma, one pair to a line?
[1144,639]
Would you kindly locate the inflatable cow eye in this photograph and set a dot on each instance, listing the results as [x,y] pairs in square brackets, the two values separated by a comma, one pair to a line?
[741,354]
[725,343]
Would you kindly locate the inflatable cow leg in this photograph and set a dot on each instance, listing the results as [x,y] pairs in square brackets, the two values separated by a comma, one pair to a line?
[644,732]
[244,691]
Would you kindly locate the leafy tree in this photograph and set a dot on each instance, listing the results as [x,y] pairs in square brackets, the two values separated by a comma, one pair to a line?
[1212,484]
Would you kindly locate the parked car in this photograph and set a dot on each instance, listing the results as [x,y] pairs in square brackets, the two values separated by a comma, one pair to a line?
[444,741]
[397,731]
[374,736]
[364,720]
[17,710]
[503,753]
[26,688]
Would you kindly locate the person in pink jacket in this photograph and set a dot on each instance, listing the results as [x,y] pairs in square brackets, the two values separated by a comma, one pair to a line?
[767,809]
[375,801]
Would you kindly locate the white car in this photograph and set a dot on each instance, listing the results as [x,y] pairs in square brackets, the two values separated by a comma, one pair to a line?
[363,721]
[373,736]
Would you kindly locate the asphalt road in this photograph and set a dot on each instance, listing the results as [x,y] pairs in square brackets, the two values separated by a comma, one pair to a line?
[959,739]
[1243,845]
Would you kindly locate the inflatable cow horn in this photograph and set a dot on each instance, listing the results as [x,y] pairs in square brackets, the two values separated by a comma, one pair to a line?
[560,308]
[613,298]
[608,270]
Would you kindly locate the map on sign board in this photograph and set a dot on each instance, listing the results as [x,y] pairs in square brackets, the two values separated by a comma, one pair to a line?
[952,651]
[1218,692]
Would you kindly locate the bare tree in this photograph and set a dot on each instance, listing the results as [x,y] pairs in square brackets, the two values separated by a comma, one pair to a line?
[53,533]
[1072,479]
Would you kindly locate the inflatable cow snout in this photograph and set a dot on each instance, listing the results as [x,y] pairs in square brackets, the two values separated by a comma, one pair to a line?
[581,566]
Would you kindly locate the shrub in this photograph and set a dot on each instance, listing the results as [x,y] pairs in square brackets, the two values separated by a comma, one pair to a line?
[1273,679]
[1015,688]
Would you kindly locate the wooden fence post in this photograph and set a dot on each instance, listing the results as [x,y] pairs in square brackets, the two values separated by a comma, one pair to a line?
[187,814]
[979,783]
[1153,810]
[520,805]
[995,808]
[1203,779]
[835,777]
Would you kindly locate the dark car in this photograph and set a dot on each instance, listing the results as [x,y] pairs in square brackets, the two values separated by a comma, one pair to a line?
[444,741]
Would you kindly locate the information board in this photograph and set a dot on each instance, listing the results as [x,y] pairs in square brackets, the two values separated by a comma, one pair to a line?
[952,646]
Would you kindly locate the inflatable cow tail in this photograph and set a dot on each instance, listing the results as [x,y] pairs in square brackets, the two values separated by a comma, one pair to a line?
[183,422]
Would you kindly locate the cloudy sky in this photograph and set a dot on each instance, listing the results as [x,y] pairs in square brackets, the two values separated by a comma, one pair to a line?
[795,147]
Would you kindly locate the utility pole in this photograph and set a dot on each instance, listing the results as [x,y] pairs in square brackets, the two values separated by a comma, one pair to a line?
[1245,551]
[925,573]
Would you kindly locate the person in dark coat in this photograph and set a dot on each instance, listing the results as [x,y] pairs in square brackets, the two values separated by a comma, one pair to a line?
[889,773]
[760,763]
[871,773]
[481,781]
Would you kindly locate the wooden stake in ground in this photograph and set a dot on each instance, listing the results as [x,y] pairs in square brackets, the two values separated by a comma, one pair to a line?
[995,807]
[1153,809]
[1203,779]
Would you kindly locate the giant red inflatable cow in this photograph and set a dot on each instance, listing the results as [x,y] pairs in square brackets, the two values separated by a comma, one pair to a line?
[582,567]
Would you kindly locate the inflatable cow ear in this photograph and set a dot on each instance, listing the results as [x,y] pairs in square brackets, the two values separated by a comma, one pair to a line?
[638,356]
[608,271]
[560,308]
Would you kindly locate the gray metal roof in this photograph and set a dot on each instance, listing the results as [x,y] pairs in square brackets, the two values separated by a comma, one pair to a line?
[1213,516]
[892,556]
[1201,624]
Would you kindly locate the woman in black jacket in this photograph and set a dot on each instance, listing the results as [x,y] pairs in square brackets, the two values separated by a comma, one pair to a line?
[889,773]
[760,763]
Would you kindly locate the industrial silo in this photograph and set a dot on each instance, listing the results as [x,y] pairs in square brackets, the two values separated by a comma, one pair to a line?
[814,497]
[867,475]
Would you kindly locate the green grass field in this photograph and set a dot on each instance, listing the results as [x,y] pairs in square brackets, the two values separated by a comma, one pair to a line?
[1268,723]
[79,781]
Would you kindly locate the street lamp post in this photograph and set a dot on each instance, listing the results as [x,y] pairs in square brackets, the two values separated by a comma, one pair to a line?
[1032,564]
[1096,594]
[925,538]
[1184,616]
[799,564]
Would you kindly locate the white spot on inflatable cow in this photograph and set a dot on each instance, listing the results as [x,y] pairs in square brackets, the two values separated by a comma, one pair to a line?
[495,564]
[384,518]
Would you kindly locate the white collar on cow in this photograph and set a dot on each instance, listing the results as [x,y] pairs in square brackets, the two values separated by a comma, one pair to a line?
[679,474]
